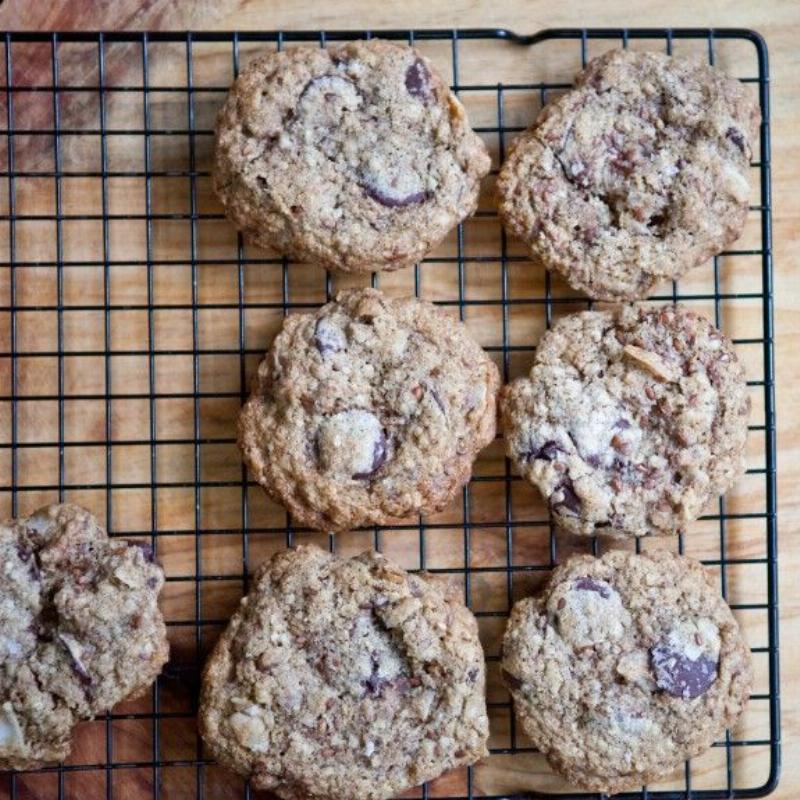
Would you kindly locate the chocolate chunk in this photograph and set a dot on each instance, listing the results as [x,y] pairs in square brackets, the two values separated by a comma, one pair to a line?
[379,453]
[570,499]
[351,445]
[330,88]
[736,137]
[418,81]
[511,681]
[29,557]
[547,452]
[329,337]
[587,584]
[658,221]
[375,684]
[679,675]
[147,551]
[386,197]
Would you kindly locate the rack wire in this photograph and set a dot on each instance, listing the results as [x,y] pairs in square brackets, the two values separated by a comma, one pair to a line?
[132,318]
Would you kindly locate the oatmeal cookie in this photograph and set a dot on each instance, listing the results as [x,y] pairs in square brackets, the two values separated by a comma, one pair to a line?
[630,421]
[358,158]
[345,678]
[626,666]
[635,176]
[80,629]
[370,409]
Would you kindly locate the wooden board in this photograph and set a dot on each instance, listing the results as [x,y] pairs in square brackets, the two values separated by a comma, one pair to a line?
[181,310]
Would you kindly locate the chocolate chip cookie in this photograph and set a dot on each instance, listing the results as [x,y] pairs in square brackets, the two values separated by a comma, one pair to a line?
[80,629]
[635,176]
[345,678]
[626,666]
[630,421]
[358,158]
[370,409]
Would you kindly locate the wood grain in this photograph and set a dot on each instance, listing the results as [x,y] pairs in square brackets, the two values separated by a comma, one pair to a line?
[214,288]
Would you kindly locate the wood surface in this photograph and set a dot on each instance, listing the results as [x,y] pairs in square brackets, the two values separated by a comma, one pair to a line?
[176,510]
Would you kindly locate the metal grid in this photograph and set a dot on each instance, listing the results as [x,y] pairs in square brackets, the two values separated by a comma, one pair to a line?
[496,540]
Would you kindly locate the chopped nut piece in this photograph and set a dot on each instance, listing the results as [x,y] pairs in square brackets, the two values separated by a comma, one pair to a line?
[652,362]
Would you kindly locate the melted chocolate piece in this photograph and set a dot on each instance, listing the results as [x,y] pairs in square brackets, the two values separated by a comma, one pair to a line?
[328,337]
[736,137]
[587,584]
[569,500]
[418,81]
[331,87]
[379,454]
[29,557]
[512,681]
[147,551]
[547,452]
[388,200]
[681,676]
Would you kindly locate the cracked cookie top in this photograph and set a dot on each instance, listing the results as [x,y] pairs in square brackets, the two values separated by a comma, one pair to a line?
[635,176]
[80,629]
[626,666]
[358,158]
[370,409]
[630,421]
[345,678]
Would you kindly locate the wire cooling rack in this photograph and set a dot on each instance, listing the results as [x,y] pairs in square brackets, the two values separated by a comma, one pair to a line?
[132,317]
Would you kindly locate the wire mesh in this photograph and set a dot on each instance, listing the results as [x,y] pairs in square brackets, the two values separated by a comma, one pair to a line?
[133,317]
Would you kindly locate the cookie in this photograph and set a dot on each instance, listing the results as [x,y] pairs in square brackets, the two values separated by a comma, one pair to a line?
[358,158]
[625,667]
[635,176]
[370,409]
[80,629]
[345,678]
[630,421]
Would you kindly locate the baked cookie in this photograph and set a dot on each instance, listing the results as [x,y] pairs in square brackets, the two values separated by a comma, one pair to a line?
[625,667]
[630,421]
[635,176]
[358,158]
[369,409]
[345,678]
[80,629]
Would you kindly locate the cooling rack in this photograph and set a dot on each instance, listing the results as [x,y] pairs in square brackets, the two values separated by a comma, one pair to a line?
[132,317]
